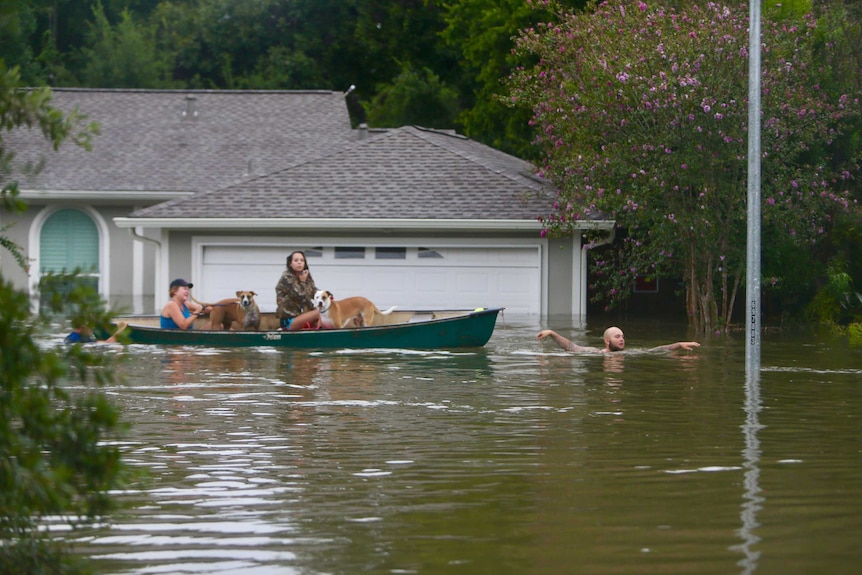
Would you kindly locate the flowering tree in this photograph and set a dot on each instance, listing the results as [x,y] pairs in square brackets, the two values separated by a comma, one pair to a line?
[642,114]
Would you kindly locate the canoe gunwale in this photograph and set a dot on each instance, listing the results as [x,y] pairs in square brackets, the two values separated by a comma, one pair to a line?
[424,329]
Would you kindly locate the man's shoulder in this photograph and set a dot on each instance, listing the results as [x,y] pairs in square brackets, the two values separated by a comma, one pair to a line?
[586,349]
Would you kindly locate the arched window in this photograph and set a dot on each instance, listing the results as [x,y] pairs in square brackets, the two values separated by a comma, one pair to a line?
[69,240]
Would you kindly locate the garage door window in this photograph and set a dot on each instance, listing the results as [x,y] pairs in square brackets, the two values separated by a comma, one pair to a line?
[349,253]
[429,253]
[390,253]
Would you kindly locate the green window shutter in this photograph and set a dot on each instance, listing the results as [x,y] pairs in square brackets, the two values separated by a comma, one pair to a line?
[69,240]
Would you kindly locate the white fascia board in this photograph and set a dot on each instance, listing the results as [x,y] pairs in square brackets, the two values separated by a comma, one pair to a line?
[343,224]
[115,196]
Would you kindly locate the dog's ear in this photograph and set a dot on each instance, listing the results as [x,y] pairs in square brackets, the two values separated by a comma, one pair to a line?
[253,293]
[238,293]
[331,295]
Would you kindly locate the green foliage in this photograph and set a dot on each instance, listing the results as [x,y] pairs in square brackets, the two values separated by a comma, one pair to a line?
[444,63]
[55,459]
[837,301]
[54,421]
[643,118]
[121,57]
[302,44]
[414,98]
[482,33]
[32,109]
[17,23]
[282,68]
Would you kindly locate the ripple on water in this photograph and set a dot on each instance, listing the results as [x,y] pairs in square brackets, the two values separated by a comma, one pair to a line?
[514,458]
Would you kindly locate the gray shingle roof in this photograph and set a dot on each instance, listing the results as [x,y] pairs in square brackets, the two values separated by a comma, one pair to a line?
[404,173]
[150,142]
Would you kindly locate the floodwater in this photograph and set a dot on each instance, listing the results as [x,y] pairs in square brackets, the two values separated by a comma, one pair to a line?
[516,458]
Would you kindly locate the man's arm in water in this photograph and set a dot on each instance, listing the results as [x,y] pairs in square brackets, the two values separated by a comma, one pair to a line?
[565,343]
[686,345]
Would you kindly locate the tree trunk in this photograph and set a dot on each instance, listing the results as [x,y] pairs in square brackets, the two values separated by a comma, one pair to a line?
[691,293]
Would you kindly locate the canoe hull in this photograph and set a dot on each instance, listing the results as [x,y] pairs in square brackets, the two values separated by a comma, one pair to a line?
[416,330]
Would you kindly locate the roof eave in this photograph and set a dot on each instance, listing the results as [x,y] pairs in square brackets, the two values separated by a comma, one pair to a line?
[387,224]
[117,196]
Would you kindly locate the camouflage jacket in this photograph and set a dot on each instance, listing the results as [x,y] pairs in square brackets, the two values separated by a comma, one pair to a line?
[292,296]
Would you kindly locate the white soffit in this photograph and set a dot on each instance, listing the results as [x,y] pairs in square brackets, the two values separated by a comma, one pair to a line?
[345,224]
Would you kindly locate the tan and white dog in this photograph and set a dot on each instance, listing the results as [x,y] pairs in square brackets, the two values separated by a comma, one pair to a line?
[347,312]
[243,310]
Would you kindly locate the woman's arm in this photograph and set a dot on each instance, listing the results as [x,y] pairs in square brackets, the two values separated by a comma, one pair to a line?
[174,312]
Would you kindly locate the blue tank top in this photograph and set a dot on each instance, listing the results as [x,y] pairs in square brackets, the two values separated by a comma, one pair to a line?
[169,323]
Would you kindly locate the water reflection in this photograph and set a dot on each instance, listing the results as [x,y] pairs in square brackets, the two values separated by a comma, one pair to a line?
[507,459]
[753,500]
[614,364]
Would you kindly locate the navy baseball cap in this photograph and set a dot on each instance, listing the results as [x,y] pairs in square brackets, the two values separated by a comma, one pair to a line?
[181,282]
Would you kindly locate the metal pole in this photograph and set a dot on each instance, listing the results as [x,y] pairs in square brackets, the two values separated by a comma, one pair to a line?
[752,284]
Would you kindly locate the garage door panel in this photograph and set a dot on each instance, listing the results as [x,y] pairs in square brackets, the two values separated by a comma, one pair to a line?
[430,281]
[335,280]
[484,257]
[392,281]
[243,255]
[513,284]
[223,281]
[472,282]
[462,278]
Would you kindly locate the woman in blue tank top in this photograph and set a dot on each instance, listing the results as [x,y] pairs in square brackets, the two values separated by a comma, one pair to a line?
[179,312]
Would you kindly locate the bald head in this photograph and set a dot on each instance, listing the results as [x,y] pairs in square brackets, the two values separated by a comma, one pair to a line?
[614,339]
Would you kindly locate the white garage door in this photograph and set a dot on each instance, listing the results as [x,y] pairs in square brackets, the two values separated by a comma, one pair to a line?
[410,278]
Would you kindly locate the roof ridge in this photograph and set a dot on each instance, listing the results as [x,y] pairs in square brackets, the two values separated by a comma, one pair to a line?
[477,158]
[384,133]
[183,91]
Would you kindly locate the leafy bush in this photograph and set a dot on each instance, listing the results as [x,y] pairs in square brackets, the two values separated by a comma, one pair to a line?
[55,424]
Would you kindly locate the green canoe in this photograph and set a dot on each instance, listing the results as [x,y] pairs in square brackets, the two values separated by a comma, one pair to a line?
[403,330]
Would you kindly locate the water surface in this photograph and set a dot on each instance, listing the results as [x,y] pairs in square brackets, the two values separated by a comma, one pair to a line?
[514,458]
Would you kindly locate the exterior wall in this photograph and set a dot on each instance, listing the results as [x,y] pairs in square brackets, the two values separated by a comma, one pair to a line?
[562,292]
[144,269]
[119,259]
[18,233]
[138,272]
[560,277]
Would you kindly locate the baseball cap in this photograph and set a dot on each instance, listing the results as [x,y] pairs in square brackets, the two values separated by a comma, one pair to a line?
[181,282]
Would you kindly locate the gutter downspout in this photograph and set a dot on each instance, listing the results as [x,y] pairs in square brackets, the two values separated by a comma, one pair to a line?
[582,305]
[133,232]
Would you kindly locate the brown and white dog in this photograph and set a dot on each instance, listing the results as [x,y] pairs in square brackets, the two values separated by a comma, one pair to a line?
[347,312]
[243,310]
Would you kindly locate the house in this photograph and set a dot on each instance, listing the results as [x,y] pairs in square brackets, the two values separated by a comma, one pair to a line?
[218,187]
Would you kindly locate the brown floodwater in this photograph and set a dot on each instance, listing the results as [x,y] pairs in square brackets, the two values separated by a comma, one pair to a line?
[514,458]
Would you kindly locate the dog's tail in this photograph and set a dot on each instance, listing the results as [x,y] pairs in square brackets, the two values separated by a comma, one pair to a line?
[202,304]
[390,310]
